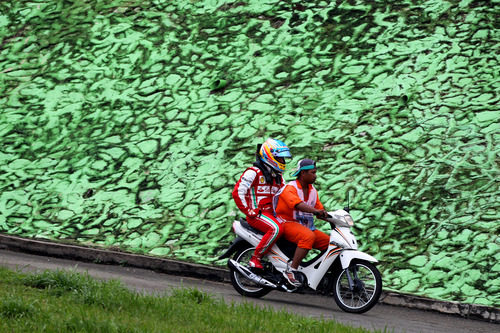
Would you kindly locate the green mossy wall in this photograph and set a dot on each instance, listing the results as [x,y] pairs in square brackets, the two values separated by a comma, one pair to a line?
[126,124]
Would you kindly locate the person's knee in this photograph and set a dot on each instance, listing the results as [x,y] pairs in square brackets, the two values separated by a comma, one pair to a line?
[306,240]
[322,241]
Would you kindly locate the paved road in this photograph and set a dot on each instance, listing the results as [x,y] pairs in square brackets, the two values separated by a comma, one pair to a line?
[395,319]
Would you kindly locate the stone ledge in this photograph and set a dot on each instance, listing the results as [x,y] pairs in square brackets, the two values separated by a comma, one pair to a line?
[470,311]
[100,256]
[175,267]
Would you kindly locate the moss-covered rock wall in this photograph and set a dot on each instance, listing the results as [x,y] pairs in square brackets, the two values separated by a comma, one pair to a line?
[126,124]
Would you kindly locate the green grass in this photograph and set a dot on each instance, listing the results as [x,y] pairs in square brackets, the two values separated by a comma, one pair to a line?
[61,301]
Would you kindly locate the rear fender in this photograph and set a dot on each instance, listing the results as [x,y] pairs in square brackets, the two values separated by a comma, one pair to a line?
[237,244]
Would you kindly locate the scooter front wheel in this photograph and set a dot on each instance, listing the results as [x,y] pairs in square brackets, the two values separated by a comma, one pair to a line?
[243,285]
[357,288]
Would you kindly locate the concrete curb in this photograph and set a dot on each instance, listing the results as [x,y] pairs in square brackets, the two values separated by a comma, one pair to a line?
[174,267]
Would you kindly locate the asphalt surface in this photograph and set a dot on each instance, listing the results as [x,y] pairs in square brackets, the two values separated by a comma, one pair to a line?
[382,317]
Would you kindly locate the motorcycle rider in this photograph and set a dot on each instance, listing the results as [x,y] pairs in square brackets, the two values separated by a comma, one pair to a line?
[295,205]
[254,192]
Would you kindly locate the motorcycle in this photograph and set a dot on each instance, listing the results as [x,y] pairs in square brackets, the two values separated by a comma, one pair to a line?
[342,271]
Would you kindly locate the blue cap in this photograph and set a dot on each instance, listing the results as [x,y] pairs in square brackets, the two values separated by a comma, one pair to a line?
[305,164]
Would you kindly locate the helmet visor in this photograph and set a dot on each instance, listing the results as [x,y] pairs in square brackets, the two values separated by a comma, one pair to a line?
[282,152]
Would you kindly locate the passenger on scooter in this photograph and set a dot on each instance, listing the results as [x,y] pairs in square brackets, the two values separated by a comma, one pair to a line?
[295,205]
[254,192]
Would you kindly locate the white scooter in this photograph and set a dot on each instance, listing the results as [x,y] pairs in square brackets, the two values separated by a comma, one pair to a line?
[341,270]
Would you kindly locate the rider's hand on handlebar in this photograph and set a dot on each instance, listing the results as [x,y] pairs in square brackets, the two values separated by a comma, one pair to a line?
[322,214]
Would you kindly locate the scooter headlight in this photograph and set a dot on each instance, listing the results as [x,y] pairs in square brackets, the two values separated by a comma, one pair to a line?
[349,220]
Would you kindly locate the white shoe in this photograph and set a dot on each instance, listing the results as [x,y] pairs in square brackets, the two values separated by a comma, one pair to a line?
[290,276]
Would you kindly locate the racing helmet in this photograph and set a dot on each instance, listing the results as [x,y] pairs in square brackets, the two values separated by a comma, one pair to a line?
[271,149]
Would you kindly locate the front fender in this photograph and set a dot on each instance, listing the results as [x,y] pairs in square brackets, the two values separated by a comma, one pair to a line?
[235,245]
[348,255]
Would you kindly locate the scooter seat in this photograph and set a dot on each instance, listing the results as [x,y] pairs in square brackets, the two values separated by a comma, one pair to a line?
[245,225]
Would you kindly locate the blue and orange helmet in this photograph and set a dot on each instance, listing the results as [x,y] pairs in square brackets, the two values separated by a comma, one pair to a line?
[270,150]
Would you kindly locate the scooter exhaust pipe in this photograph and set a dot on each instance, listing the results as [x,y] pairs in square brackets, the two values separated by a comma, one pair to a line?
[249,274]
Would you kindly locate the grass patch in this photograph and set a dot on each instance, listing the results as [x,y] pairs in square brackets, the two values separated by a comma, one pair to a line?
[81,287]
[60,301]
[15,307]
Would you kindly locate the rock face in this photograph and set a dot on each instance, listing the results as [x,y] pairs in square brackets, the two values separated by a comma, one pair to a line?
[126,124]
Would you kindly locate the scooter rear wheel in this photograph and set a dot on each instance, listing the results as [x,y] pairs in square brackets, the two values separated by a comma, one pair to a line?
[243,285]
[366,290]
